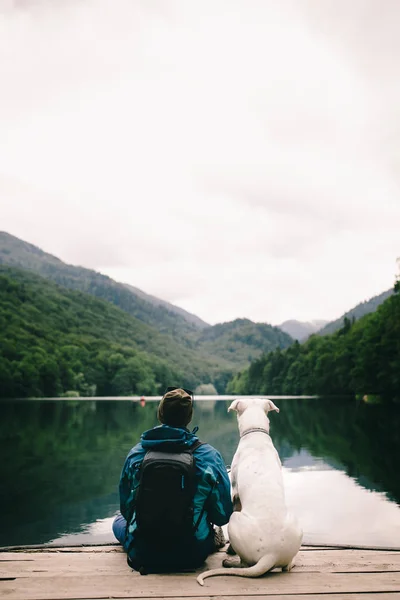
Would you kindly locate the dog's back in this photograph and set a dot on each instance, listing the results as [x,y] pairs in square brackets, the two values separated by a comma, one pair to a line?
[258,476]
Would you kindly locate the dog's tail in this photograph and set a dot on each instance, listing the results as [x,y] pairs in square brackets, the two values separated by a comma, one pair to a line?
[266,563]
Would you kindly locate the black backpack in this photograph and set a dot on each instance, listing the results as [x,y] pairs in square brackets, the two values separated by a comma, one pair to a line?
[164,502]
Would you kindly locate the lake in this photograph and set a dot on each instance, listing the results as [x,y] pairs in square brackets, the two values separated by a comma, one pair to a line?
[61,461]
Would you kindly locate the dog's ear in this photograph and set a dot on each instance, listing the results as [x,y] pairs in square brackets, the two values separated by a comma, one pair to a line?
[269,405]
[235,405]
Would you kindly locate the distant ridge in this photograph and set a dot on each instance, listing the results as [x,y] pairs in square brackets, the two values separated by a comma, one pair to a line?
[357,312]
[301,330]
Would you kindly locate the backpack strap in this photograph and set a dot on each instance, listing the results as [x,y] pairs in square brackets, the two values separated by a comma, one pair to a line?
[195,446]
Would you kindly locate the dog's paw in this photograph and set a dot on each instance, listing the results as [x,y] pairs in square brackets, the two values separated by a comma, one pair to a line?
[288,567]
[231,562]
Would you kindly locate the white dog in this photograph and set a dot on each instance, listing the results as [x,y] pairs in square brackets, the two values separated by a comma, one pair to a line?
[261,530]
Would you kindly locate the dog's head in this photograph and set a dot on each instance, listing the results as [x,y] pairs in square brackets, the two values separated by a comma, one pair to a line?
[252,412]
[241,404]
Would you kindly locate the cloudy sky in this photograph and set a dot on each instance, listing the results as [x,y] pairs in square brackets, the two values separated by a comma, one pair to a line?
[238,158]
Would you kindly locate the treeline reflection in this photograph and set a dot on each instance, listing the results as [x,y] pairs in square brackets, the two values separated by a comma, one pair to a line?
[61,460]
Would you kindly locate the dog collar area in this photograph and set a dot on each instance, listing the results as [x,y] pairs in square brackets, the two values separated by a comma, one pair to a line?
[255,430]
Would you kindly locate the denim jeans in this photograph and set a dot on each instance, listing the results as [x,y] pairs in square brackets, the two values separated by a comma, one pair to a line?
[119,529]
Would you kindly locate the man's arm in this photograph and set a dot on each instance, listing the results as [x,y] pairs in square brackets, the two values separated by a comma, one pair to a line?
[219,505]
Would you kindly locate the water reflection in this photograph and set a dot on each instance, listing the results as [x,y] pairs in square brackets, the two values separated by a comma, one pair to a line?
[334,509]
[61,462]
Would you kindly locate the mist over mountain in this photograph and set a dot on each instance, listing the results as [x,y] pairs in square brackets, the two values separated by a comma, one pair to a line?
[301,330]
[171,307]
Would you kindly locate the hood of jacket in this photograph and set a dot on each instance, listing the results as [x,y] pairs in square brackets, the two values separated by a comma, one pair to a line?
[167,436]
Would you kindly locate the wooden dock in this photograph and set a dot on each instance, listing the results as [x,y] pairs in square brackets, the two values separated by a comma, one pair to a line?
[97,572]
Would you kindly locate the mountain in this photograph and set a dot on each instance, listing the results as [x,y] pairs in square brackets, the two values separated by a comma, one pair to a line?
[357,312]
[162,315]
[243,339]
[202,353]
[301,330]
[55,340]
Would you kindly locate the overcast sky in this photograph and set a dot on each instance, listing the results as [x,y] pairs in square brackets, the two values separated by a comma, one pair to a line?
[236,158]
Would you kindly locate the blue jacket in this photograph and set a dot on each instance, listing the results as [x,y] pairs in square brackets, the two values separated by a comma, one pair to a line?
[211,475]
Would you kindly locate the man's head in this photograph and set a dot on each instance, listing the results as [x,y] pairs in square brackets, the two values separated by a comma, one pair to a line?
[176,407]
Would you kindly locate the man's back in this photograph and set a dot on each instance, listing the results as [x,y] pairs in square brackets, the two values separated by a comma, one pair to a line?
[211,501]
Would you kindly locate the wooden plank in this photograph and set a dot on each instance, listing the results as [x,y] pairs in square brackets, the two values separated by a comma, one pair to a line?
[357,596]
[101,572]
[14,564]
[132,585]
[118,548]
[347,561]
[361,596]
[23,550]
[304,550]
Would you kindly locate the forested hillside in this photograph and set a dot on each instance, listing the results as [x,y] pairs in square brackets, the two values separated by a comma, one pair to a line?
[363,357]
[54,340]
[242,339]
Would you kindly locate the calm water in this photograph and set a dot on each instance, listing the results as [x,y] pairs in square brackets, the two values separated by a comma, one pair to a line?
[61,461]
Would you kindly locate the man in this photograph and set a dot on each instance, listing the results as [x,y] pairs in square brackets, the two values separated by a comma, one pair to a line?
[212,504]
